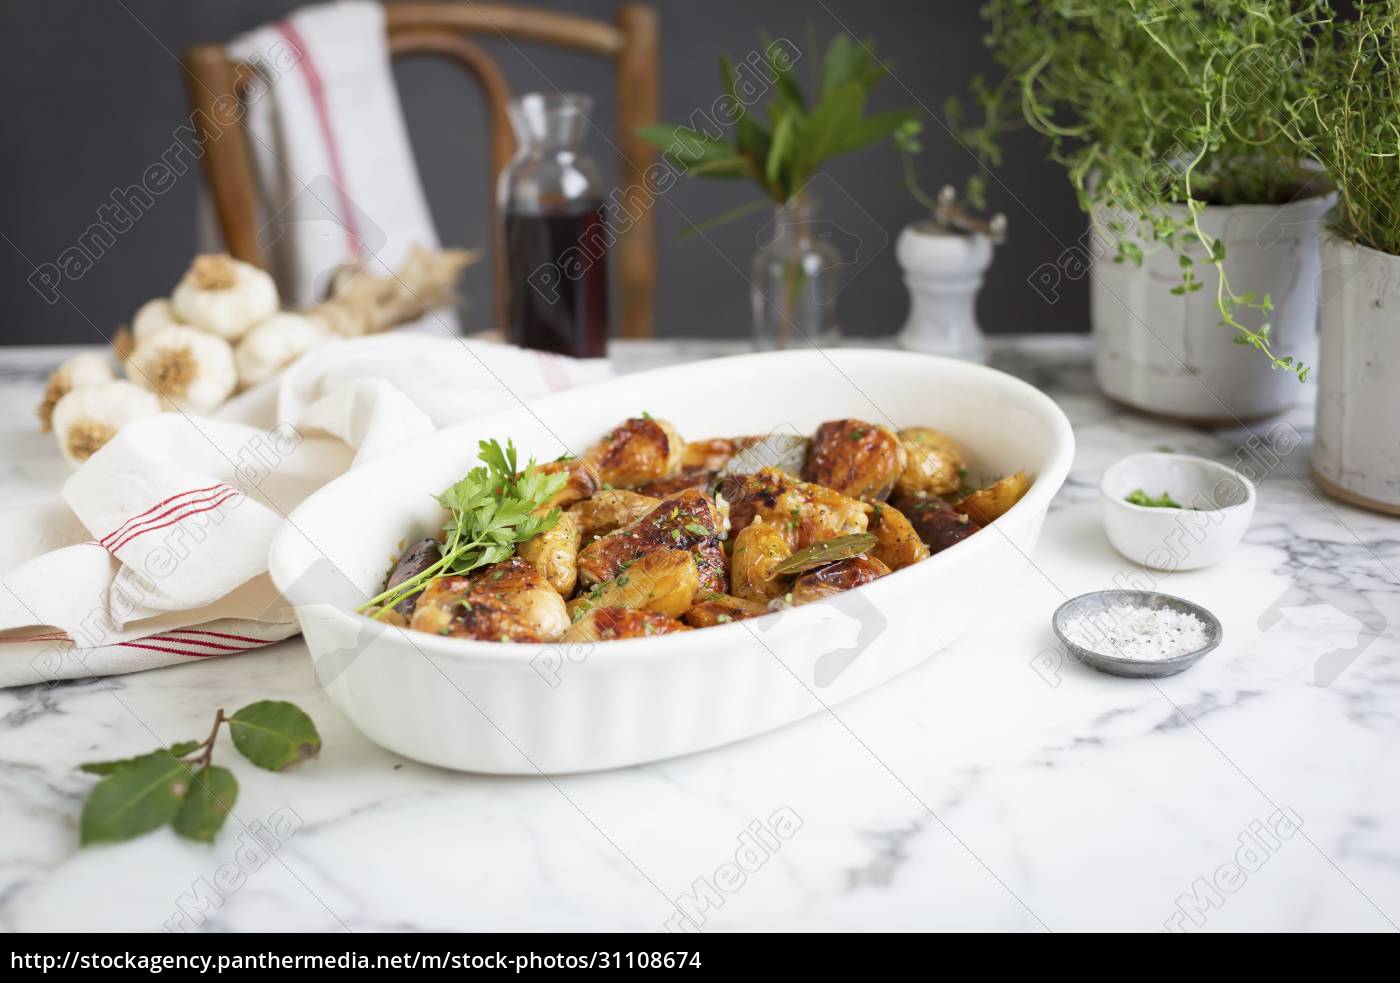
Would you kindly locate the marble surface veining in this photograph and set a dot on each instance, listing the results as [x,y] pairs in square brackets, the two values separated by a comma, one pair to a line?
[995,786]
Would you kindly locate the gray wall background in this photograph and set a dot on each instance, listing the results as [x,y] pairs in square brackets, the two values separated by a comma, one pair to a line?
[92,93]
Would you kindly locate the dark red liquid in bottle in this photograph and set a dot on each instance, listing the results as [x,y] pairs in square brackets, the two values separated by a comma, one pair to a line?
[557,272]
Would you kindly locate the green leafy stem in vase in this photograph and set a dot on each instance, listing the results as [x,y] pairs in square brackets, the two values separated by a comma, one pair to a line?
[795,133]
[180,785]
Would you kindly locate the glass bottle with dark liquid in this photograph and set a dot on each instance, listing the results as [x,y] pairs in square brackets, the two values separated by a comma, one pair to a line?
[556,233]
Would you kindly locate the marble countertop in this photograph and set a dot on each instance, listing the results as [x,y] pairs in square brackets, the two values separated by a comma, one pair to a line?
[996,786]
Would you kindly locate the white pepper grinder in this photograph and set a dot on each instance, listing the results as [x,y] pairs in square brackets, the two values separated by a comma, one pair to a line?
[944,259]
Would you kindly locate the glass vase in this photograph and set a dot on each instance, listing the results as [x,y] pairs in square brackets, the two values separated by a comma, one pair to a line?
[796,277]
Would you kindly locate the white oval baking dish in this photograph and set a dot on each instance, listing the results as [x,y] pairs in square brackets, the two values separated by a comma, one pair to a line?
[531,709]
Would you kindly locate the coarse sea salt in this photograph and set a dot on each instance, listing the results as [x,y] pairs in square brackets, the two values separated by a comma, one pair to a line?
[1142,634]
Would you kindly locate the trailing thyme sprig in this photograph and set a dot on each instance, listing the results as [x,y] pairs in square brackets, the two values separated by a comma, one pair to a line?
[1157,108]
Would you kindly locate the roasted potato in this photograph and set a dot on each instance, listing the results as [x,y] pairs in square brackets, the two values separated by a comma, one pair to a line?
[664,581]
[688,521]
[989,503]
[935,464]
[506,602]
[808,513]
[720,609]
[610,624]
[897,545]
[858,459]
[835,578]
[583,482]
[641,449]
[610,510]
[554,553]
[758,548]
[413,561]
[937,524]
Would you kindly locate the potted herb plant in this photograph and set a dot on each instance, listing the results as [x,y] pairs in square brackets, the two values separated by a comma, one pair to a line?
[1347,121]
[796,271]
[1203,248]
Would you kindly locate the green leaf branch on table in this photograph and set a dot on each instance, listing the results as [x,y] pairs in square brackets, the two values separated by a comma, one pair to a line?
[180,785]
[796,133]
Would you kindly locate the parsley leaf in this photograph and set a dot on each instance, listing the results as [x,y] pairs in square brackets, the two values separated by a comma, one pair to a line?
[491,510]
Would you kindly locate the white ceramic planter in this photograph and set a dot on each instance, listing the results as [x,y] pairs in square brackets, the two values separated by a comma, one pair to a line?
[1356,452]
[943,271]
[1169,354]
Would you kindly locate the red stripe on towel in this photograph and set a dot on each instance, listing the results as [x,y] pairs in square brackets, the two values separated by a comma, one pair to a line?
[554,376]
[137,518]
[217,634]
[317,90]
[161,648]
[135,530]
[196,641]
[232,493]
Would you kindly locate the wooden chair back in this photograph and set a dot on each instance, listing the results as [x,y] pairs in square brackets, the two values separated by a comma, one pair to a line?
[447,30]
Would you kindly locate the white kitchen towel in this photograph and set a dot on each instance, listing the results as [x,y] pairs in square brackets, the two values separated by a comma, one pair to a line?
[157,553]
[330,149]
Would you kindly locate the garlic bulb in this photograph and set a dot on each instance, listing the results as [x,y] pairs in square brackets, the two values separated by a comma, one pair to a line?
[150,317]
[272,345]
[86,369]
[89,416]
[223,296]
[193,370]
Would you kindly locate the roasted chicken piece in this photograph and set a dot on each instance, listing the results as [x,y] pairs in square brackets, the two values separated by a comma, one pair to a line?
[610,510]
[897,544]
[554,553]
[688,521]
[666,487]
[807,513]
[720,609]
[935,464]
[664,581]
[641,449]
[857,459]
[989,503]
[610,624]
[835,578]
[758,548]
[582,482]
[713,453]
[506,602]
[937,524]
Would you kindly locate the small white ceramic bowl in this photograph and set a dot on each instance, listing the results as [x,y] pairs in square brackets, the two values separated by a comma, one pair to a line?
[1218,504]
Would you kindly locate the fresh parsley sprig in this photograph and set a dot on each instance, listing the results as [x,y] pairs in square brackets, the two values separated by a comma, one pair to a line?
[490,511]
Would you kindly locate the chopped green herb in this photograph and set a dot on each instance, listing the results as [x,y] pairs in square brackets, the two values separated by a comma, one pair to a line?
[1162,501]
[857,434]
[696,528]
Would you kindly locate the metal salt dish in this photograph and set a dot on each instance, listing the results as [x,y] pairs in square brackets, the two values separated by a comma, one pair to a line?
[1116,665]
